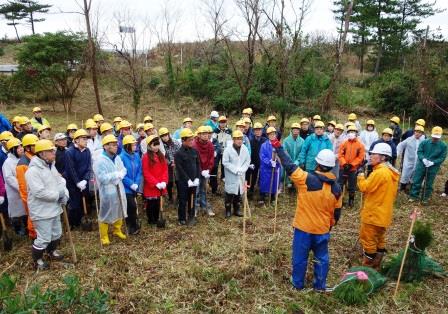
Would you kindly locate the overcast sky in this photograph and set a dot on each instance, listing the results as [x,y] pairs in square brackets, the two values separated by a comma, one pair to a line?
[191,24]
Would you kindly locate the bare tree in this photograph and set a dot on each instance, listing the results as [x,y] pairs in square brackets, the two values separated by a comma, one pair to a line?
[329,95]
[129,66]
[251,12]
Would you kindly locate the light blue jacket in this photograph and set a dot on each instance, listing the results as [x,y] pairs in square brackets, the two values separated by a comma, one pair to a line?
[312,146]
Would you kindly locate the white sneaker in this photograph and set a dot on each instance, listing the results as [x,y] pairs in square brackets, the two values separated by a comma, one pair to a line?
[443,195]
[210,212]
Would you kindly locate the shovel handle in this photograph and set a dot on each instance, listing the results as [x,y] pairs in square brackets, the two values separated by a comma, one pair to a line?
[69,234]
[84,206]
[2,220]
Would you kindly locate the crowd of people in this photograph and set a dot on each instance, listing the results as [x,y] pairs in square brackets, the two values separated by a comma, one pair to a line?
[110,164]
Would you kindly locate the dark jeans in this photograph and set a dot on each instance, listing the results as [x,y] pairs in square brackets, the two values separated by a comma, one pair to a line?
[214,178]
[76,207]
[252,178]
[186,199]
[131,220]
[153,210]
[349,177]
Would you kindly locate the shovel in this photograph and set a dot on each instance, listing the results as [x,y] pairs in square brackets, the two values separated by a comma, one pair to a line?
[137,217]
[7,240]
[161,223]
[69,234]
[86,222]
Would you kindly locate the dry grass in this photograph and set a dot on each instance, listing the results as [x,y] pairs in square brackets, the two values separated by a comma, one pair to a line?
[200,269]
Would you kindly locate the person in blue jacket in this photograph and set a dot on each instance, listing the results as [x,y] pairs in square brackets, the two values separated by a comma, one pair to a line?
[77,172]
[5,125]
[213,121]
[269,165]
[132,180]
[124,128]
[312,146]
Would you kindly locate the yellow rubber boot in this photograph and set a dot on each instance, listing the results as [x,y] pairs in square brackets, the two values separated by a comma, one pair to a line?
[117,229]
[103,233]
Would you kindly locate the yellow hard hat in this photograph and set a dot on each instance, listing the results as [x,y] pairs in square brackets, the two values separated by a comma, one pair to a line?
[222,119]
[13,142]
[370,122]
[129,139]
[16,119]
[110,138]
[270,130]
[106,127]
[437,132]
[339,126]
[29,139]
[43,145]
[79,133]
[421,122]
[117,120]
[352,128]
[150,138]
[43,127]
[124,124]
[148,126]
[246,120]
[304,120]
[271,118]
[6,136]
[240,123]
[140,126]
[72,126]
[332,122]
[395,120]
[37,109]
[295,125]
[24,120]
[317,117]
[202,129]
[347,124]
[247,111]
[419,128]
[258,125]
[90,124]
[352,117]
[388,131]
[237,134]
[209,129]
[98,117]
[147,119]
[187,120]
[163,131]
[319,124]
[186,132]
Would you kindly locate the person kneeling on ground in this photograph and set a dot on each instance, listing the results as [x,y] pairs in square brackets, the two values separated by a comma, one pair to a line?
[380,190]
[236,161]
[46,194]
[318,208]
[109,172]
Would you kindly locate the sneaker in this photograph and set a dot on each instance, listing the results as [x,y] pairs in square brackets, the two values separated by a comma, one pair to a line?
[443,195]
[56,256]
[40,264]
[210,212]
[134,230]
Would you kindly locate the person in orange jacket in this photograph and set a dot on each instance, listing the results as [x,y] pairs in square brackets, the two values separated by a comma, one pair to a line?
[318,208]
[28,142]
[351,156]
[380,190]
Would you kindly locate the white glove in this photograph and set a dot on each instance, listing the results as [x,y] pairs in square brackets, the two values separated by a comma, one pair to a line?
[163,185]
[190,183]
[425,162]
[196,182]
[273,163]
[252,167]
[159,185]
[2,199]
[215,154]
[134,187]
[122,173]
[430,163]
[82,185]
[239,173]
[205,174]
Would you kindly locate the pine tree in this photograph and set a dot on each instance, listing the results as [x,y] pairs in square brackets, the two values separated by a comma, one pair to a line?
[13,13]
[31,8]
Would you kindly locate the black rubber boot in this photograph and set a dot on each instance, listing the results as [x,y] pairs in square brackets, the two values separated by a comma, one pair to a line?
[236,209]
[19,227]
[37,256]
[351,200]
[228,207]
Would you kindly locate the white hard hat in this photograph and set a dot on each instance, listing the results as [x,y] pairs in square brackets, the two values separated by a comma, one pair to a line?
[382,149]
[214,114]
[60,136]
[326,158]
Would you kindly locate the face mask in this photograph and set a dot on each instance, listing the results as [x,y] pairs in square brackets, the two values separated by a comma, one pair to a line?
[351,136]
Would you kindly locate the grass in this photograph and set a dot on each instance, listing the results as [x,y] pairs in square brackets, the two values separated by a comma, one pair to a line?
[201,270]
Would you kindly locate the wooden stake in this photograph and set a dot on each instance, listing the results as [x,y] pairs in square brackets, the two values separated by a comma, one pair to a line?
[414,218]
[69,234]
[276,202]
[244,223]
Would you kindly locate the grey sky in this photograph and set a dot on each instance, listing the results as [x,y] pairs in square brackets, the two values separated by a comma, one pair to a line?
[191,24]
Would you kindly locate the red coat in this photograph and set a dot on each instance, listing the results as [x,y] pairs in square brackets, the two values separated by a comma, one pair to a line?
[154,173]
[206,153]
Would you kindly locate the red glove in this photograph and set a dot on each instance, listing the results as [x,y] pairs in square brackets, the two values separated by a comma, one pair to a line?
[275,143]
